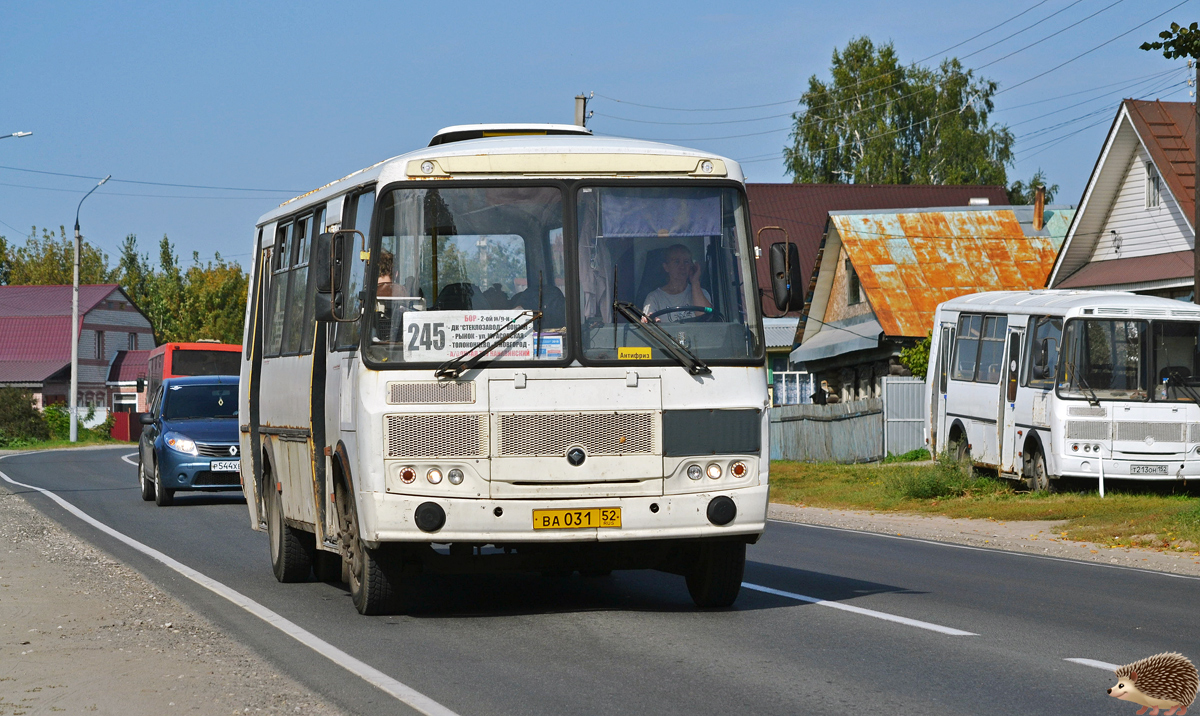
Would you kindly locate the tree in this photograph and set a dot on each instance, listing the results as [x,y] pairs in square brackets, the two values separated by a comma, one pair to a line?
[916,357]
[1177,42]
[214,300]
[50,260]
[1022,193]
[881,122]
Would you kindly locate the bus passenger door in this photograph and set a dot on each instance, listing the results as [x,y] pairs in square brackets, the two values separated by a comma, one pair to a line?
[945,345]
[1009,448]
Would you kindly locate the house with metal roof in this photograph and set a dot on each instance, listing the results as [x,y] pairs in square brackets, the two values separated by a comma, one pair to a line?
[882,274]
[35,340]
[1134,230]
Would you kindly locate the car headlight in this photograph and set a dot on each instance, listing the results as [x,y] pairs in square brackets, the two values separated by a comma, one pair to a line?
[181,443]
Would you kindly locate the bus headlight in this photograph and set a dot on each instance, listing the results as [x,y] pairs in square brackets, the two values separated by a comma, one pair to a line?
[434,476]
[455,476]
[1095,448]
[407,475]
[695,473]
[714,470]
[1075,447]
[738,469]
[1087,448]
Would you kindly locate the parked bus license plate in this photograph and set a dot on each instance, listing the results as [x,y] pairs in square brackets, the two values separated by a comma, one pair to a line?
[576,519]
[1147,469]
[225,465]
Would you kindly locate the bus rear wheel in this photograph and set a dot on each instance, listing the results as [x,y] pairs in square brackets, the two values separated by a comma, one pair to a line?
[291,554]
[715,577]
[374,580]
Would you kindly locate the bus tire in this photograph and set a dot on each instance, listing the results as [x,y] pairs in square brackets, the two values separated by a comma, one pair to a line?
[291,558]
[1037,478]
[715,577]
[962,455]
[374,583]
[327,566]
[146,485]
[163,497]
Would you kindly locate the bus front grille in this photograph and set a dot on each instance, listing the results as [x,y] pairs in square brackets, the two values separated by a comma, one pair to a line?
[453,391]
[1088,430]
[1194,433]
[436,436]
[534,434]
[1161,432]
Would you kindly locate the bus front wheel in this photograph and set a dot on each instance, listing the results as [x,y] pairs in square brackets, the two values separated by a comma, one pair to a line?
[1036,477]
[715,576]
[962,455]
[374,581]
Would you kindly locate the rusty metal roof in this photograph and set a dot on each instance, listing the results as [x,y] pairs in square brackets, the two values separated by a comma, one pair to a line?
[910,261]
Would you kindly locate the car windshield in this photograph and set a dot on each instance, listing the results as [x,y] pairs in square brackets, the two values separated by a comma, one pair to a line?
[184,402]
[678,255]
[457,264]
[1103,359]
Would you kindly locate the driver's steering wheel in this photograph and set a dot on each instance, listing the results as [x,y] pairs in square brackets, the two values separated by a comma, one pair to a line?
[707,315]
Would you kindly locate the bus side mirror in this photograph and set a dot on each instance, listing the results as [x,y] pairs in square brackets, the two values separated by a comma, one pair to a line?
[785,277]
[330,257]
[141,385]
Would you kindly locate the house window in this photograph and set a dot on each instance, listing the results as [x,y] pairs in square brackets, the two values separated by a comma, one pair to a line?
[854,293]
[1153,186]
[99,345]
[133,341]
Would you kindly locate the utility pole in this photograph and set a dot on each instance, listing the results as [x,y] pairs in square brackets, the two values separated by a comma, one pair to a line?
[581,113]
[74,397]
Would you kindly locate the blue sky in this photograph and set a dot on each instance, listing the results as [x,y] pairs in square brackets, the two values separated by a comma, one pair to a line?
[293,95]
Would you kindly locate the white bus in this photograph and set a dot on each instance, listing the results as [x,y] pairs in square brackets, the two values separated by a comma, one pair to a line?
[1039,385]
[519,348]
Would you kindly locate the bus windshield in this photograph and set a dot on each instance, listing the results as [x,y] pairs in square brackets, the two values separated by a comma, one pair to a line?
[456,265]
[201,362]
[1104,359]
[676,254]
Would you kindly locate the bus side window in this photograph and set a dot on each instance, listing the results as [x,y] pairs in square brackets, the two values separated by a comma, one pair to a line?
[250,317]
[1044,337]
[944,357]
[359,211]
[277,301]
[297,287]
[309,321]
[991,350]
[966,347]
[1014,362]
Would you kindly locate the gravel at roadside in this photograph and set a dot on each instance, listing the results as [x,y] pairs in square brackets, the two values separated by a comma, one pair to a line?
[80,631]
[1037,537]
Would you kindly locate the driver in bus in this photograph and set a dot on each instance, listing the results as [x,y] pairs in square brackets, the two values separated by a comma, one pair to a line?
[681,289]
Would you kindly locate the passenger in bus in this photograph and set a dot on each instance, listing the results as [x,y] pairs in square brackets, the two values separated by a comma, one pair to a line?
[681,289]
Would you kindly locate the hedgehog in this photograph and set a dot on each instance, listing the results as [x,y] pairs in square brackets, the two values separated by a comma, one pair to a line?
[1163,681]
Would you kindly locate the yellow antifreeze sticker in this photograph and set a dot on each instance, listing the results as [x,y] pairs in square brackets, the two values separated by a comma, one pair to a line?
[633,353]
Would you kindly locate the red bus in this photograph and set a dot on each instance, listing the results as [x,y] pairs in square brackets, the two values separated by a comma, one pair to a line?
[172,360]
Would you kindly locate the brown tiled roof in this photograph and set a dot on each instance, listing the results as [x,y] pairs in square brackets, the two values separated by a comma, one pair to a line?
[1135,269]
[128,366]
[35,338]
[30,371]
[50,300]
[1168,130]
[802,209]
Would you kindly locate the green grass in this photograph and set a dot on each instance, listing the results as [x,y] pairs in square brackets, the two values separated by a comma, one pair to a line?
[86,439]
[1168,510]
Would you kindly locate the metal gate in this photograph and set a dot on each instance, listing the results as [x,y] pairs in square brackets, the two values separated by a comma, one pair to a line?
[904,419]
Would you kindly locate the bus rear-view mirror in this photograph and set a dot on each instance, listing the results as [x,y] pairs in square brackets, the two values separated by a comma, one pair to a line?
[785,276]
[324,264]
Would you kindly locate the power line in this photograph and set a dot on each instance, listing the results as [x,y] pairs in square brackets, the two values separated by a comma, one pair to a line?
[154,183]
[1018,32]
[148,196]
[1053,34]
[994,27]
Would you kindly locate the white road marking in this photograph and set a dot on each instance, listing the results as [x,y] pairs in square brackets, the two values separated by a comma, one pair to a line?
[126,459]
[859,610]
[1095,664]
[368,673]
[988,549]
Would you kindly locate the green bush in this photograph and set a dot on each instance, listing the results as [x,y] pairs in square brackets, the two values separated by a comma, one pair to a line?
[58,419]
[20,422]
[945,478]
[910,456]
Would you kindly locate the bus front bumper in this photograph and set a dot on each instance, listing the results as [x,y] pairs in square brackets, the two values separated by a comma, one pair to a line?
[393,518]
[1124,469]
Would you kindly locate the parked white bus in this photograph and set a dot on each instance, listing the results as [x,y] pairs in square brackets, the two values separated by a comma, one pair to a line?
[521,348]
[1084,384]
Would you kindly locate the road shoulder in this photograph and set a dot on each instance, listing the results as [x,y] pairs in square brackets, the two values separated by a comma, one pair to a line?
[1035,537]
[81,631]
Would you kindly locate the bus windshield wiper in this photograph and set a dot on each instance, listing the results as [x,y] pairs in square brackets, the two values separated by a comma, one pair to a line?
[1187,390]
[455,367]
[686,358]
[1092,399]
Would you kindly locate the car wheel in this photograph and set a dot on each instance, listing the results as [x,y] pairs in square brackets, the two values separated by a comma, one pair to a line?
[162,496]
[146,485]
[373,577]
[715,577]
[291,553]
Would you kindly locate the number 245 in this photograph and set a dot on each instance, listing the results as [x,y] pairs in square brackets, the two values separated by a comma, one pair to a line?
[430,336]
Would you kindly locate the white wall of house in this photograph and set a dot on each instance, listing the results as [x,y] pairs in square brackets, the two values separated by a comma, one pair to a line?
[1142,230]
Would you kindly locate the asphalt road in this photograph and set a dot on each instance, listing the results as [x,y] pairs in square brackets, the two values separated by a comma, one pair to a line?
[633,643]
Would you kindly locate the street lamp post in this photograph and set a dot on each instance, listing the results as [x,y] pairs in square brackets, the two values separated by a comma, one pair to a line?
[75,322]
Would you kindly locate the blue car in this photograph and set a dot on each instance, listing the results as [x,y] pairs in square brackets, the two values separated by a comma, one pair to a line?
[190,438]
